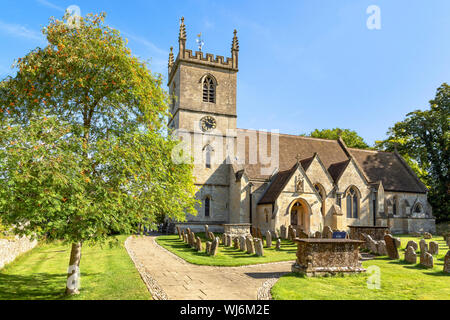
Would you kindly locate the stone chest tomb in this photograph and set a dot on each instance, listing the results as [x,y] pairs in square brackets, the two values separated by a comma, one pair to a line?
[317,257]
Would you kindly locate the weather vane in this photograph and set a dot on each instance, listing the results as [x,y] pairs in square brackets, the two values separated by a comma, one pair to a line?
[199,41]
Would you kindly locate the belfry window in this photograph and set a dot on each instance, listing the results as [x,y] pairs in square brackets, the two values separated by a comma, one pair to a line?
[209,90]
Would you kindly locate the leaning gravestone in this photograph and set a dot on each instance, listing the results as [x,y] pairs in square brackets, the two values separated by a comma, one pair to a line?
[426,260]
[318,235]
[259,250]
[391,247]
[283,232]
[192,240]
[412,244]
[206,229]
[427,235]
[410,255]
[215,247]
[434,248]
[278,246]
[250,246]
[211,235]
[302,235]
[327,233]
[447,262]
[242,243]
[199,246]
[381,248]
[179,232]
[269,239]
[371,244]
[208,247]
[290,228]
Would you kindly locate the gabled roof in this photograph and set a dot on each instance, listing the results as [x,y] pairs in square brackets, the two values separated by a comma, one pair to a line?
[276,187]
[388,168]
[337,169]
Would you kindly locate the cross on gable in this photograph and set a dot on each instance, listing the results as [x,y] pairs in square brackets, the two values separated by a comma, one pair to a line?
[298,158]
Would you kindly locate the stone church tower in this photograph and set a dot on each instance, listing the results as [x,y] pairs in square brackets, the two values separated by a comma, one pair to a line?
[203,91]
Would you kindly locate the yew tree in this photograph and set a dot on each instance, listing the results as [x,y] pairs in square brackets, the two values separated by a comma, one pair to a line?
[83,144]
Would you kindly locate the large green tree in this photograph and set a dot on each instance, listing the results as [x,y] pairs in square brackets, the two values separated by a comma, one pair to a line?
[83,148]
[423,139]
[351,138]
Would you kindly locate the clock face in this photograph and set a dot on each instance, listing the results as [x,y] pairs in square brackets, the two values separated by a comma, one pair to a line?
[208,123]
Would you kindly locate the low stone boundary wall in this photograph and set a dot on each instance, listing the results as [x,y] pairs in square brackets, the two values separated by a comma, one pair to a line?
[11,249]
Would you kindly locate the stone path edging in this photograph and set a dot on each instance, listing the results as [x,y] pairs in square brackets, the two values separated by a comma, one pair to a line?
[152,286]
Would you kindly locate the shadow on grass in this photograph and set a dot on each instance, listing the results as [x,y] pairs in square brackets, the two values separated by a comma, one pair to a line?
[39,286]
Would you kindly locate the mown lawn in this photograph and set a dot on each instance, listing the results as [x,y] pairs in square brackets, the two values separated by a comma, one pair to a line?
[226,256]
[106,274]
[398,281]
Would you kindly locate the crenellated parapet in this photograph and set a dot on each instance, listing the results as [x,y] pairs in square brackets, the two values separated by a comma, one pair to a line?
[199,57]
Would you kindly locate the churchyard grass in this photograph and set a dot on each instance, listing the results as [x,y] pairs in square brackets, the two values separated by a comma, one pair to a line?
[226,256]
[106,274]
[399,281]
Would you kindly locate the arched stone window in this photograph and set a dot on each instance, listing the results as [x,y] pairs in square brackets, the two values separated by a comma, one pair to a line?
[418,208]
[207,206]
[352,197]
[209,89]
[395,206]
[323,196]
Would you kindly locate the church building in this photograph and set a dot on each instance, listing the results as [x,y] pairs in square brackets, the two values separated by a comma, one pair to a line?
[249,178]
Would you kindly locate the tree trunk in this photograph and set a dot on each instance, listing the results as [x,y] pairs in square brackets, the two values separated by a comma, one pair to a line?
[74,270]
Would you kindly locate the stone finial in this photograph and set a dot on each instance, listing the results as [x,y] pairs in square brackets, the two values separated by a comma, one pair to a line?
[235,50]
[182,38]
[182,35]
[171,60]
[235,43]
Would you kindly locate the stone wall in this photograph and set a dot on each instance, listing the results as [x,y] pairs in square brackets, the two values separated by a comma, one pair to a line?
[11,249]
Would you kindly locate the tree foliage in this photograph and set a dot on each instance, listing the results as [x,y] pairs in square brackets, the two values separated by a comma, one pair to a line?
[423,139]
[82,143]
[351,138]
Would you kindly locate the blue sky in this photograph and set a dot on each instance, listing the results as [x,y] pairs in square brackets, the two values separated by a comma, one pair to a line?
[303,64]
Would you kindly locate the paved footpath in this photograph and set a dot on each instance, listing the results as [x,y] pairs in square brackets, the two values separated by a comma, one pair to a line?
[176,279]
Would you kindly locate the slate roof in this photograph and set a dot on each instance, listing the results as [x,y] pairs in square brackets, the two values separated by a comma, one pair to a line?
[389,168]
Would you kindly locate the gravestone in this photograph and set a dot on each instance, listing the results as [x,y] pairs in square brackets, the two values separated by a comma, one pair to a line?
[294,234]
[182,235]
[269,239]
[426,260]
[259,250]
[398,242]
[302,235]
[339,235]
[179,232]
[412,244]
[283,232]
[327,233]
[278,246]
[206,229]
[318,235]
[423,246]
[211,235]
[250,246]
[371,244]
[236,243]
[192,239]
[427,235]
[290,228]
[199,246]
[391,247]
[259,233]
[276,235]
[410,255]
[222,239]
[242,244]
[188,231]
[254,233]
[208,247]
[381,248]
[447,262]
[434,248]
[215,247]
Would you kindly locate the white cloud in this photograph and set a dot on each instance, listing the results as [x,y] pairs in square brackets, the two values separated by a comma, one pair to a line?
[148,44]
[51,5]
[20,31]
